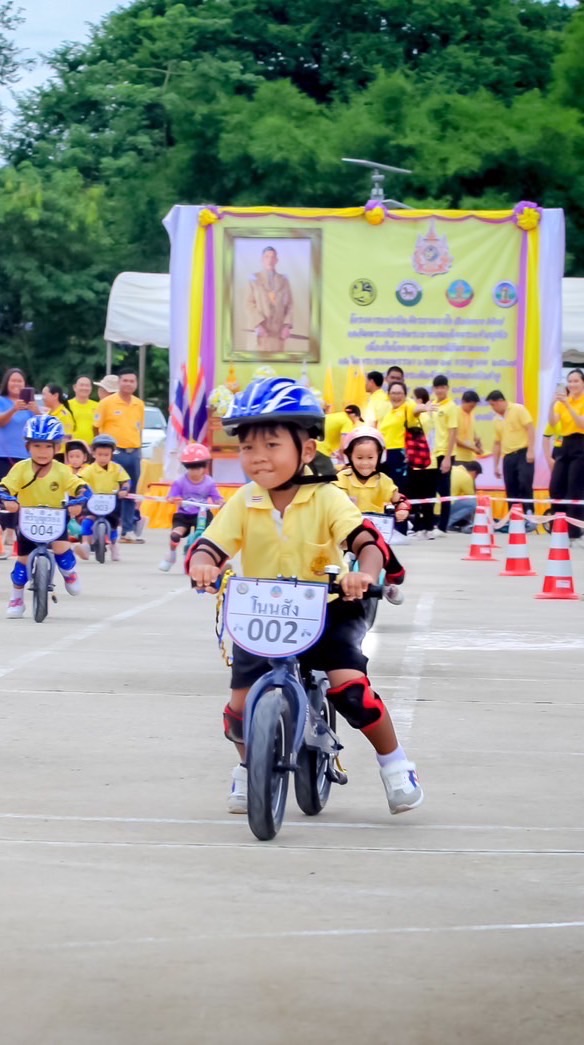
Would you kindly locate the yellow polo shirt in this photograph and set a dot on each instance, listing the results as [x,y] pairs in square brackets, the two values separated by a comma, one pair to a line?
[104,480]
[124,421]
[335,427]
[511,429]
[46,491]
[301,543]
[83,414]
[445,419]
[393,425]
[377,406]
[466,432]
[370,496]
[66,418]
[461,482]
[567,425]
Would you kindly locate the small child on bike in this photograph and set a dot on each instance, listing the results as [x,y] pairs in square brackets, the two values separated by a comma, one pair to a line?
[103,476]
[41,481]
[372,491]
[76,456]
[286,522]
[190,491]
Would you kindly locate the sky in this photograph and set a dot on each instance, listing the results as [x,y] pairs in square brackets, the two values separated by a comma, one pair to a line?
[48,23]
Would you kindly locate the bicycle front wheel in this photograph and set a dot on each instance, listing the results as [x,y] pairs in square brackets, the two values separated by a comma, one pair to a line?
[268,758]
[311,782]
[40,588]
[99,541]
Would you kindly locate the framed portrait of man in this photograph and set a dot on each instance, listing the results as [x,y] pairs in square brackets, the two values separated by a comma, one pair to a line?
[272,295]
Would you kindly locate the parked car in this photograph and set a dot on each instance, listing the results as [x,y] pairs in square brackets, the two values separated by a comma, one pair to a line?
[154,434]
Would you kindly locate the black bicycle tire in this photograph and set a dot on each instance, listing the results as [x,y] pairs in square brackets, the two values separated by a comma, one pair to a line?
[311,785]
[271,726]
[99,541]
[40,588]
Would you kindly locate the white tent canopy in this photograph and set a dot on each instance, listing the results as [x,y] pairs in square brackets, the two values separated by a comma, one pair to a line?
[138,311]
[573,320]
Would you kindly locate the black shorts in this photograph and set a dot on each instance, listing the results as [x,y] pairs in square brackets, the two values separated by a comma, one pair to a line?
[25,546]
[339,646]
[187,521]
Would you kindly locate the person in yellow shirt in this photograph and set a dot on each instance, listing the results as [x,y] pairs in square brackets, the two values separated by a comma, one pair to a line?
[551,441]
[445,413]
[83,409]
[515,444]
[567,479]
[121,415]
[372,491]
[336,425]
[463,485]
[57,405]
[286,524]
[41,481]
[378,403]
[468,444]
[106,476]
[402,414]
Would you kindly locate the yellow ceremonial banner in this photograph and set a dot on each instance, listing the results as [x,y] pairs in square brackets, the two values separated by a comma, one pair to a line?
[339,297]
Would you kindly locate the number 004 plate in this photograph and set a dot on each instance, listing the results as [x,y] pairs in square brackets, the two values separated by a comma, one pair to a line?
[275,618]
[42,525]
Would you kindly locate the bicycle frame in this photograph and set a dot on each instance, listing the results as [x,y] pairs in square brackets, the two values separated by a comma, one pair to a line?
[42,551]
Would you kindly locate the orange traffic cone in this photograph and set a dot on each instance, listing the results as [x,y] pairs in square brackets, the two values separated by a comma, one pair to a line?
[518,563]
[480,542]
[558,581]
[485,502]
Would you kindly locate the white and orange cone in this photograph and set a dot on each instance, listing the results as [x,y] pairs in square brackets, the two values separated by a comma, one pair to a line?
[559,581]
[480,542]
[485,502]
[518,563]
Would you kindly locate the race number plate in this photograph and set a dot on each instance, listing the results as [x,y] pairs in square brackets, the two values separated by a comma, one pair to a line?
[275,618]
[101,503]
[384,524]
[42,525]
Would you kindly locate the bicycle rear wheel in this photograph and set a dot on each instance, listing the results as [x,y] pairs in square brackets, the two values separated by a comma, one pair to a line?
[99,541]
[267,759]
[40,588]
[311,782]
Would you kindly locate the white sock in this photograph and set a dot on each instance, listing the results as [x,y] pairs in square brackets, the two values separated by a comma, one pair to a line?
[17,593]
[398,755]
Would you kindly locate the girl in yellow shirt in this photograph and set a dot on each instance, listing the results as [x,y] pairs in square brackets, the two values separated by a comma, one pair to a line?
[567,479]
[56,402]
[402,415]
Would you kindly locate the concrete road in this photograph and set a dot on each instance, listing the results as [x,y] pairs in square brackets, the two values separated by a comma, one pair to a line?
[136,911]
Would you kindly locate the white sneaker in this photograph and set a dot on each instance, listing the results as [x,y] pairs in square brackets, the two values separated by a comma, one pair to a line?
[401,786]
[72,584]
[15,609]
[438,533]
[421,535]
[168,561]
[430,535]
[237,801]
[115,551]
[128,538]
[82,551]
[394,594]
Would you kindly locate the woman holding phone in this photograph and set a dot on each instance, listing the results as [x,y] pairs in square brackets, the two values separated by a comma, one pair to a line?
[17,405]
[567,480]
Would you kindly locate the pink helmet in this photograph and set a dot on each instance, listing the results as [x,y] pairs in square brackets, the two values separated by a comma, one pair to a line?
[363,432]
[195,453]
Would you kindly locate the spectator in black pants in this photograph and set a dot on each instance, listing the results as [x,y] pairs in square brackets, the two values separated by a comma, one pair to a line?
[567,480]
[445,413]
[515,443]
[422,482]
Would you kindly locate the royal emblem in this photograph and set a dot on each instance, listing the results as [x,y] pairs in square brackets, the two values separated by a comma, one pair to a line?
[505,294]
[432,255]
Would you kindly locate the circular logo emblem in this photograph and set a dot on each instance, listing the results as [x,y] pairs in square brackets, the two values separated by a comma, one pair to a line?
[242,589]
[505,294]
[363,292]
[409,293]
[460,293]
[54,486]
[276,591]
[309,593]
[319,564]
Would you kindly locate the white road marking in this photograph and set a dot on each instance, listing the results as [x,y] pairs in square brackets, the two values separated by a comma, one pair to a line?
[412,664]
[305,934]
[471,640]
[26,659]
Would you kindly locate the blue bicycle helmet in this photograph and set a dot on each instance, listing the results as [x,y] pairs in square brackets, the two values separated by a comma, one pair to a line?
[104,440]
[44,429]
[275,400]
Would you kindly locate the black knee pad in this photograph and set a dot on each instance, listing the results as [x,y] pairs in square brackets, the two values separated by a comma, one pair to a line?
[175,537]
[358,702]
[232,725]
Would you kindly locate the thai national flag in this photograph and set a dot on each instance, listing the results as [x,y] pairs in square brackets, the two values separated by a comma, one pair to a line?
[198,410]
[179,412]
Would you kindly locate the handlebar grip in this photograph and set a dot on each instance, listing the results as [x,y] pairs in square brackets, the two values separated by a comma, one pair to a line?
[374,591]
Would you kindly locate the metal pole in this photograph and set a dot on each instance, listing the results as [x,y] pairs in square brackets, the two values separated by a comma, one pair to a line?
[141,370]
[109,356]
